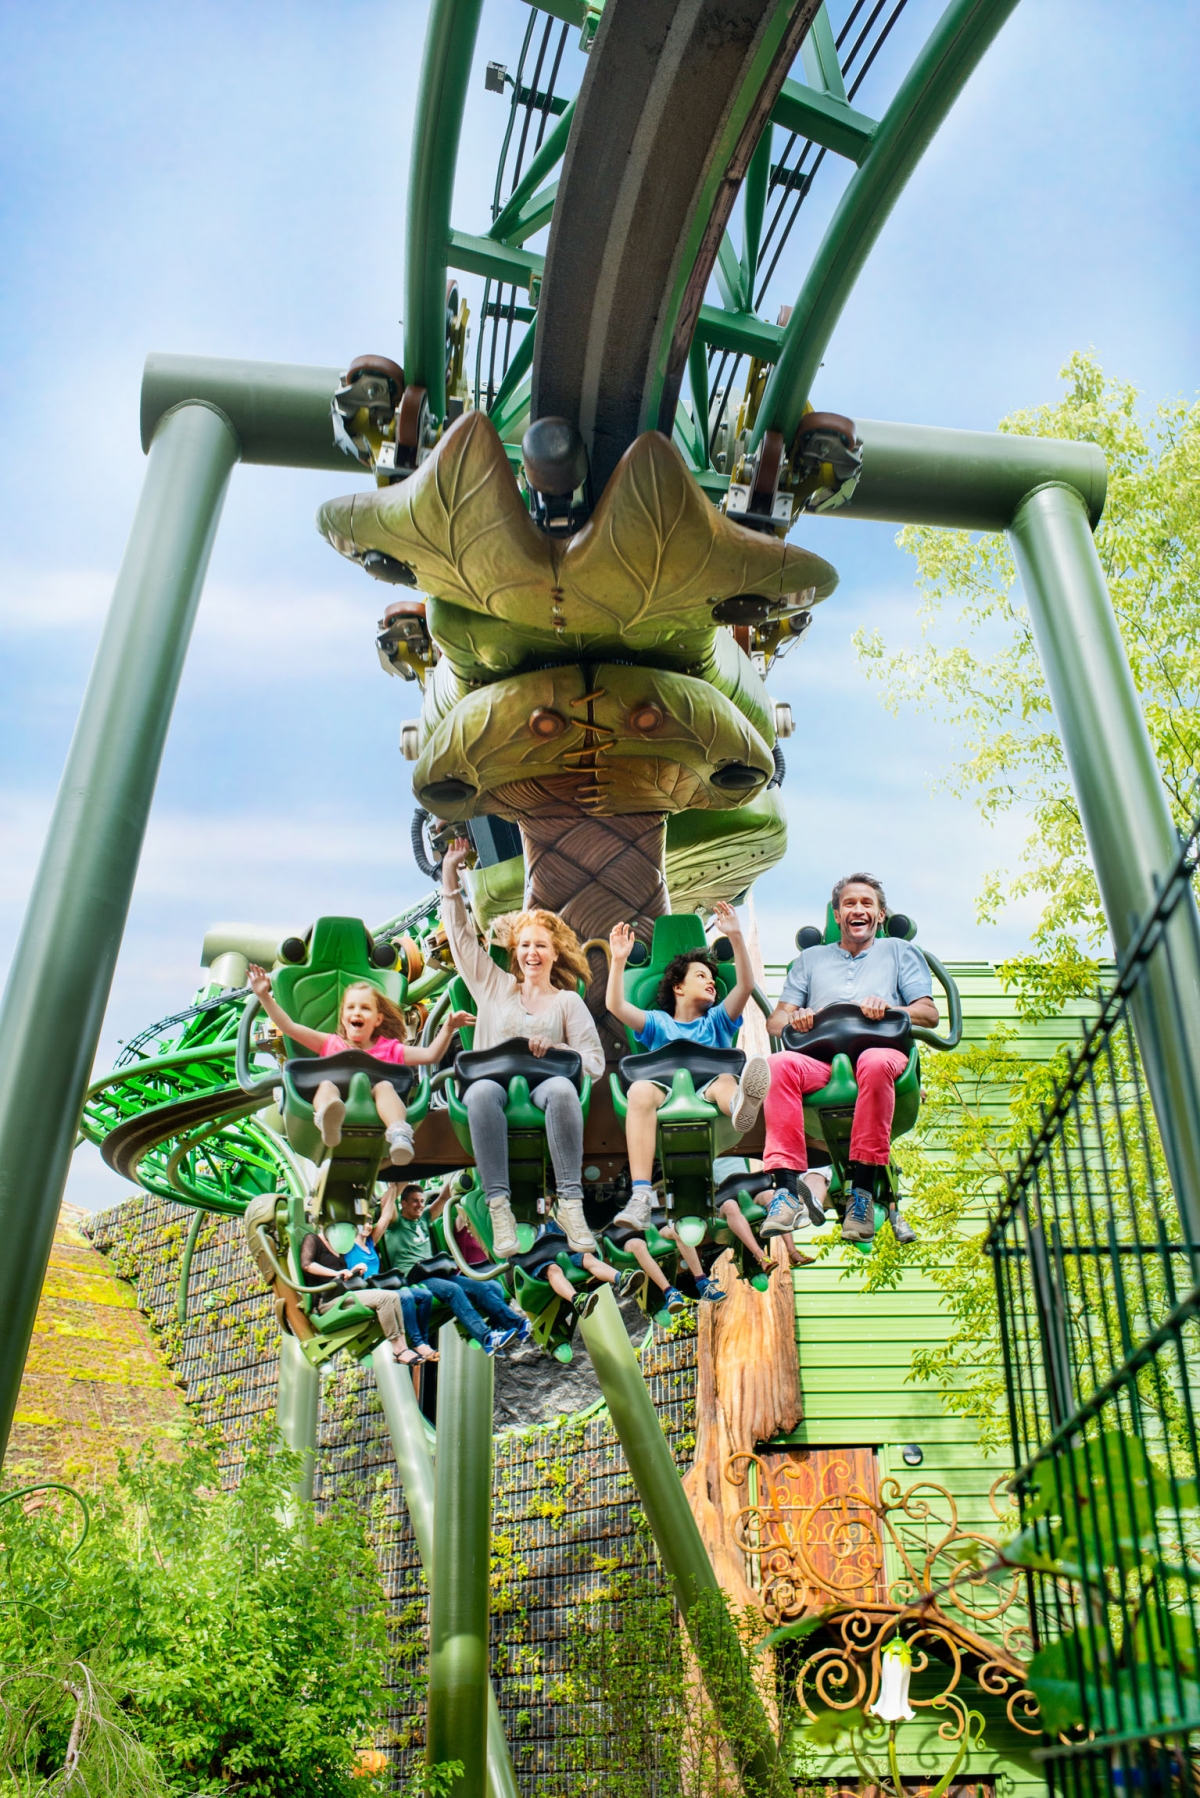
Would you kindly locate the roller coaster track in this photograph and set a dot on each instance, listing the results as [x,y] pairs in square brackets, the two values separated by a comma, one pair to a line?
[178,1124]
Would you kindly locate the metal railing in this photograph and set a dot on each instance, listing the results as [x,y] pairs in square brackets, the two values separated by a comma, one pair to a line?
[1098,1289]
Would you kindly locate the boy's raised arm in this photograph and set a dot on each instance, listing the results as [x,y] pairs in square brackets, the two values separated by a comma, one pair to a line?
[738,997]
[621,940]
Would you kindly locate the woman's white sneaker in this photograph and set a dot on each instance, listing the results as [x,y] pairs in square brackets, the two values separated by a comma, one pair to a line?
[568,1215]
[504,1229]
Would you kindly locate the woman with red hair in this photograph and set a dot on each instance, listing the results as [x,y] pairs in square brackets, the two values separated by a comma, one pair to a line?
[540,1002]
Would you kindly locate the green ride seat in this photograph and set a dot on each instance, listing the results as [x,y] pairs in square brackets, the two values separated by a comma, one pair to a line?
[530,1170]
[691,1132]
[829,1112]
[344,1324]
[311,992]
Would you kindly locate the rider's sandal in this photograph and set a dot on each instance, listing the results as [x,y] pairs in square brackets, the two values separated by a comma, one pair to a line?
[408,1358]
[425,1353]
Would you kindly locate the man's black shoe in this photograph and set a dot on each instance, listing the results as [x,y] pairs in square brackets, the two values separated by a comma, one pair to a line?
[902,1230]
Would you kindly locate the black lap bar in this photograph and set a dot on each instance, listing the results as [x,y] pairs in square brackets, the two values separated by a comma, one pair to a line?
[434,1267]
[843,1030]
[513,1057]
[307,1072]
[752,1184]
[661,1065]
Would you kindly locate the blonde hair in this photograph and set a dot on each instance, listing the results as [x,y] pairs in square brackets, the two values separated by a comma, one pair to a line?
[570,963]
[391,1020]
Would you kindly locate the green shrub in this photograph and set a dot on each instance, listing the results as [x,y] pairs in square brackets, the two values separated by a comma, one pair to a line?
[239,1639]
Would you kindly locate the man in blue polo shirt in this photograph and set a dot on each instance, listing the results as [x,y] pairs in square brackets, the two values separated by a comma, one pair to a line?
[874,973]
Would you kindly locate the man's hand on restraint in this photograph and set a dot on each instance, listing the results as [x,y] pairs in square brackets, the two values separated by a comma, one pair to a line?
[873,1008]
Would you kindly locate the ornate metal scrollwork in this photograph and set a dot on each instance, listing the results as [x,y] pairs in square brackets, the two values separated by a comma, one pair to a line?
[818,1539]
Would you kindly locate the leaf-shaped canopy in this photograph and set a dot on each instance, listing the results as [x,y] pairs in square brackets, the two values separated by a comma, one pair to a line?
[649,563]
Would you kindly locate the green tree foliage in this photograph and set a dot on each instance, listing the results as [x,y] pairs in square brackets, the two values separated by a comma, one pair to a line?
[233,1641]
[978,668]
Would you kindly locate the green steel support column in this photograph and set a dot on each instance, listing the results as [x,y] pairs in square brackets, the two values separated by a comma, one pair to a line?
[410,1444]
[665,1503]
[1121,801]
[458,1608]
[754,202]
[441,98]
[298,1408]
[185,1264]
[698,375]
[937,77]
[64,960]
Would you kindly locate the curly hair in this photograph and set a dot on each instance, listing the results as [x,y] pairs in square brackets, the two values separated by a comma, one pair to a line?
[570,963]
[391,1020]
[860,880]
[675,973]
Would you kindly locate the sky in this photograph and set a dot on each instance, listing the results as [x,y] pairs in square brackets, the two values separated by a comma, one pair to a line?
[231,180]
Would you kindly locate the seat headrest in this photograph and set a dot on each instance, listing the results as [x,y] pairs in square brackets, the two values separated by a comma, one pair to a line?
[674,934]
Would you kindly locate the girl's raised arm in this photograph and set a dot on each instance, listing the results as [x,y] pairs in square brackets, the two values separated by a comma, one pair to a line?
[417,1053]
[260,985]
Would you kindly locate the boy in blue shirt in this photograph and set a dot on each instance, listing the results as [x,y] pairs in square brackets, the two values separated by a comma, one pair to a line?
[688,1008]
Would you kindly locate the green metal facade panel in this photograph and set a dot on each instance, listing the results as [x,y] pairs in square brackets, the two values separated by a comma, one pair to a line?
[855,1351]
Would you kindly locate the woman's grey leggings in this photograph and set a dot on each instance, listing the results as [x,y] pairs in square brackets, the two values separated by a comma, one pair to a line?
[486,1100]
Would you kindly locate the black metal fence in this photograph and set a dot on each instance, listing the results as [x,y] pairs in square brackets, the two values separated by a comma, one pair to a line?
[1099,1299]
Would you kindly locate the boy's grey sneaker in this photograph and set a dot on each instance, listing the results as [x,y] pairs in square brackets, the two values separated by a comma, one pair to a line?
[568,1215]
[752,1089]
[495,1340]
[504,1229]
[858,1225]
[784,1214]
[636,1215]
[631,1283]
[585,1302]
[814,1210]
[902,1230]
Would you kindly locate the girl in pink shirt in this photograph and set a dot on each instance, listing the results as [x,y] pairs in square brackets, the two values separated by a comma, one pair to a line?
[371,1022]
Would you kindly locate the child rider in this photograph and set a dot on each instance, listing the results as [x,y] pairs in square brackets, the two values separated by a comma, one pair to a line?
[368,1021]
[688,1009]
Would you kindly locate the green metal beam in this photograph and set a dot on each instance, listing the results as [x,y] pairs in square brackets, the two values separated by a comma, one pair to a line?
[298,1408]
[495,261]
[441,98]
[551,153]
[828,122]
[739,331]
[535,212]
[414,1463]
[1126,818]
[667,1511]
[514,375]
[937,77]
[458,1609]
[819,55]
[279,410]
[64,960]
[966,480]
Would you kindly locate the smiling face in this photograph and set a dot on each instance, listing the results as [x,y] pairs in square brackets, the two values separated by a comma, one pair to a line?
[536,954]
[361,1016]
[696,992]
[412,1203]
[859,914]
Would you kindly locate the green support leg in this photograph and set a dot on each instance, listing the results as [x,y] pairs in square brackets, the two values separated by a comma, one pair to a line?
[1121,801]
[667,1510]
[458,1609]
[298,1408]
[64,961]
[441,99]
[410,1443]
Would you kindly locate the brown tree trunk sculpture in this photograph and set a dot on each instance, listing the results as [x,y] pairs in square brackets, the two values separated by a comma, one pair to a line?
[748,1391]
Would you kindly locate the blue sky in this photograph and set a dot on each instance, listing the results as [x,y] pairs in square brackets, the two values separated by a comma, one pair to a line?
[231,180]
